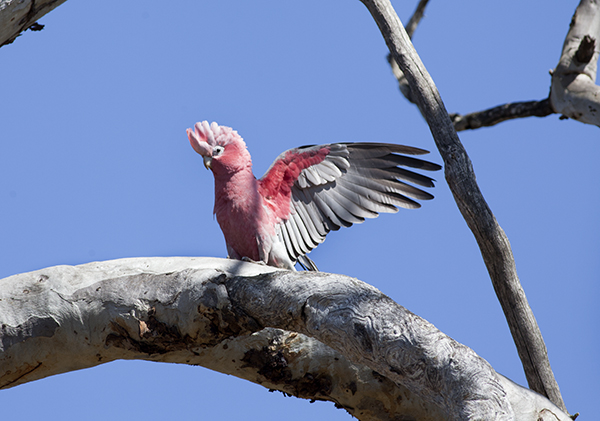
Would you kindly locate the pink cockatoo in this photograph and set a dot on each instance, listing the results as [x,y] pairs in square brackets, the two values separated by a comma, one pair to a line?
[307,192]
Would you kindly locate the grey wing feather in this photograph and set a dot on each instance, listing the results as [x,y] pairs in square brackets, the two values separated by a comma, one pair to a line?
[355,181]
[311,223]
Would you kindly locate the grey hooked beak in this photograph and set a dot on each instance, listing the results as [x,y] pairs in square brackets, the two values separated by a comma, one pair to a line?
[207,161]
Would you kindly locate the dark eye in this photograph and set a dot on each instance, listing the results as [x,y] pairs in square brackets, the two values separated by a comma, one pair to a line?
[218,150]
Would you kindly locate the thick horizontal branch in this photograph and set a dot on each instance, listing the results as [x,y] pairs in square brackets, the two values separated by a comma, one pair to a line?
[300,366]
[362,351]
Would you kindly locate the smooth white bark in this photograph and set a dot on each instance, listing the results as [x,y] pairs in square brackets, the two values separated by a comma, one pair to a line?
[367,353]
[574,92]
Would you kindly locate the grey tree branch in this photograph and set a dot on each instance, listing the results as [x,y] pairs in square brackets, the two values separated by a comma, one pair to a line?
[411,27]
[416,17]
[574,93]
[153,332]
[493,243]
[16,16]
[366,353]
[495,115]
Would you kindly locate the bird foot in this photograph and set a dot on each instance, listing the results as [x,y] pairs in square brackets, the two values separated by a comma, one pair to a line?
[247,259]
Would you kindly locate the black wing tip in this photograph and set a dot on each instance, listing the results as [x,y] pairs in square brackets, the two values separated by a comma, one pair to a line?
[432,166]
[307,264]
[430,182]
[391,150]
[391,147]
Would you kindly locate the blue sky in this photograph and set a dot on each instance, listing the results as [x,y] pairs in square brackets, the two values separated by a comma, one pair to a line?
[95,165]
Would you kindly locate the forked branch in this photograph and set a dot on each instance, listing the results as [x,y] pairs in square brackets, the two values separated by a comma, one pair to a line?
[573,93]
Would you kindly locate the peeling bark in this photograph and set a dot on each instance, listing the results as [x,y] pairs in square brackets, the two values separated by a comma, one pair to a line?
[312,335]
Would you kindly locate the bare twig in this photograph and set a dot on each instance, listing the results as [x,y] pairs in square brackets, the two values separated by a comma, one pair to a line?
[493,243]
[493,116]
[411,27]
[414,20]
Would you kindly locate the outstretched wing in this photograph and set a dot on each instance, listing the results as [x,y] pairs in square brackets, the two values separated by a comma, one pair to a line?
[318,189]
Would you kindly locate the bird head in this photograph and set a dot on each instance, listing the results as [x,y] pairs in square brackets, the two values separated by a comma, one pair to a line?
[221,147]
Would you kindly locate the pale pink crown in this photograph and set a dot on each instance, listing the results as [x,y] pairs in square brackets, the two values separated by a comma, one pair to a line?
[205,136]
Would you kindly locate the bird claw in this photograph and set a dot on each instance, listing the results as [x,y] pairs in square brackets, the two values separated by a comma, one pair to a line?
[247,259]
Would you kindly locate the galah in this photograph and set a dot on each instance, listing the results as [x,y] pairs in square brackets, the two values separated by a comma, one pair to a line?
[306,193]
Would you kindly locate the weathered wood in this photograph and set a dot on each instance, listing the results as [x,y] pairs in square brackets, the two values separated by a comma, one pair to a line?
[493,243]
[495,115]
[574,93]
[368,354]
[16,16]
[411,27]
[416,17]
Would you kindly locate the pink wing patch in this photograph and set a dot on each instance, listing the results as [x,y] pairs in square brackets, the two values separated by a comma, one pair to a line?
[276,186]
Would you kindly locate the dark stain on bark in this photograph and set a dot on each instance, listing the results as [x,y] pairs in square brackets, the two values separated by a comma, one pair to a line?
[228,322]
[270,364]
[32,328]
[157,337]
[378,376]
[273,366]
[351,387]
[360,332]
[21,372]
[585,52]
